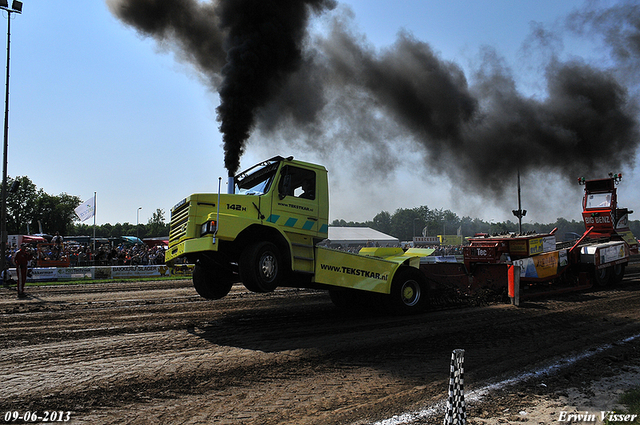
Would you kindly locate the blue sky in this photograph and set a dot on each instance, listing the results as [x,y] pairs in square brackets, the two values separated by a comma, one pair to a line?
[94,107]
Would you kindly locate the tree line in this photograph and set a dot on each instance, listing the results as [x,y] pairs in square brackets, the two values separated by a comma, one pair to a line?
[30,210]
[405,223]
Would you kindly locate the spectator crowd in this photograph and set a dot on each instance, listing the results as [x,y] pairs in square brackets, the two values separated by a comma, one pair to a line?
[84,255]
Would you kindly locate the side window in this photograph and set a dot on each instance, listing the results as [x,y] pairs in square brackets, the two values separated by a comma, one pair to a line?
[298,182]
[307,186]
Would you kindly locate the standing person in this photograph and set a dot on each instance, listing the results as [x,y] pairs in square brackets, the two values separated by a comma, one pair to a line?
[57,246]
[21,260]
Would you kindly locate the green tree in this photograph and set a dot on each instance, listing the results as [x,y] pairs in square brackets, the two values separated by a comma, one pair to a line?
[404,221]
[21,205]
[128,229]
[116,230]
[343,223]
[472,226]
[503,227]
[382,222]
[156,225]
[451,223]
[55,213]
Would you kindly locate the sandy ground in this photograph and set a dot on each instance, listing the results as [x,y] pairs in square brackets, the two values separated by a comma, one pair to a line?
[157,353]
[600,396]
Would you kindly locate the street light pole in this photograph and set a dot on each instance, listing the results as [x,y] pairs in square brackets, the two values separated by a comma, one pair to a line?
[519,212]
[16,7]
[138,221]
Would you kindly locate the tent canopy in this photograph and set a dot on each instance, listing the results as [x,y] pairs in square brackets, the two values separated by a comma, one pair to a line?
[355,236]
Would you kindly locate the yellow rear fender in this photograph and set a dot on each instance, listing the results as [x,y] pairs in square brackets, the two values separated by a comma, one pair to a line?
[364,272]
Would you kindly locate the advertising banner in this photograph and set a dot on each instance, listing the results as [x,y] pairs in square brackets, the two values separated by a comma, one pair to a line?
[39,275]
[52,274]
[450,239]
[543,265]
[139,271]
[71,273]
[518,247]
[549,243]
[432,240]
[535,246]
[540,245]
[612,253]
[182,270]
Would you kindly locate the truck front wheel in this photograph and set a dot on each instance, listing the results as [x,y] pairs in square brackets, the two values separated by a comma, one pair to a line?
[212,283]
[261,267]
[408,291]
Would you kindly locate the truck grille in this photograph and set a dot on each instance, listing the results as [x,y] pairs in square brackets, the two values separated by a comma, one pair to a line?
[179,219]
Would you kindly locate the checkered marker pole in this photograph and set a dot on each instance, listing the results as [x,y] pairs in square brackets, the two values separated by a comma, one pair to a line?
[456,414]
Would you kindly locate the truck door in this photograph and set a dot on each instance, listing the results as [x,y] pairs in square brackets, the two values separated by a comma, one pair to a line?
[296,205]
[295,208]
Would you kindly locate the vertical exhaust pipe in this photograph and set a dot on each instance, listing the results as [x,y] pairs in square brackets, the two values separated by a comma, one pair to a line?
[218,209]
[231,186]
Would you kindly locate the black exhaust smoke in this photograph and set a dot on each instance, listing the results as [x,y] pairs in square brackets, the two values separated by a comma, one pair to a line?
[478,133]
[247,48]
[264,46]
[272,78]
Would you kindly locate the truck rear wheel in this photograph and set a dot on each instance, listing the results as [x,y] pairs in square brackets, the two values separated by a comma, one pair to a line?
[261,267]
[212,283]
[617,273]
[602,277]
[408,291]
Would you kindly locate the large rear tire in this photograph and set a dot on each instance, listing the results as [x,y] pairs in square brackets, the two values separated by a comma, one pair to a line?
[617,273]
[408,291]
[261,267]
[212,283]
[602,277]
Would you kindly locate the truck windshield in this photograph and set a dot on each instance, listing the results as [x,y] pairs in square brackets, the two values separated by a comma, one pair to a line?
[257,182]
[598,200]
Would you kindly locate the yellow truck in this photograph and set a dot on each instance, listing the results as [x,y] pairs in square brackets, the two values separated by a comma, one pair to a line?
[265,232]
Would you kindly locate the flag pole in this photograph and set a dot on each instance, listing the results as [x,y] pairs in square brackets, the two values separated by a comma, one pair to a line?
[94,224]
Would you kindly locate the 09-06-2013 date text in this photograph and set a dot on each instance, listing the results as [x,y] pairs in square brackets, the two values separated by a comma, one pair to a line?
[45,416]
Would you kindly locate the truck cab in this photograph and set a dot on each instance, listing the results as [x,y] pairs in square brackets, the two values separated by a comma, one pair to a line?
[261,232]
[601,214]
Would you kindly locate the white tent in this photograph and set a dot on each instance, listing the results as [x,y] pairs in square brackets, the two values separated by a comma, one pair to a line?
[359,236]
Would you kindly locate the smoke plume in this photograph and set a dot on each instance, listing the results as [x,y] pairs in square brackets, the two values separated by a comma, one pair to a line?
[247,48]
[479,131]
[336,93]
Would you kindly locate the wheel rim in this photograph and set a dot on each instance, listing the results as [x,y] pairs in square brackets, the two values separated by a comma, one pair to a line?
[602,274]
[410,293]
[268,266]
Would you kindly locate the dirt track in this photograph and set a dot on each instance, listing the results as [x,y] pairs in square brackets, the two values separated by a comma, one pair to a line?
[158,353]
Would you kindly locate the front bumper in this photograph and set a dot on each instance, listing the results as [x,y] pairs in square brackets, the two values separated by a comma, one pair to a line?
[191,246]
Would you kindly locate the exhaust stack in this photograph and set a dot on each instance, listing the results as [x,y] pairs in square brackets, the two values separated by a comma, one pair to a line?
[231,186]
